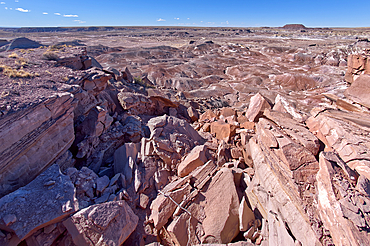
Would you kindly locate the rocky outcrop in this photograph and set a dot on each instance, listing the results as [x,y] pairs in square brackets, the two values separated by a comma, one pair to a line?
[228,157]
[346,133]
[141,104]
[78,62]
[357,65]
[172,138]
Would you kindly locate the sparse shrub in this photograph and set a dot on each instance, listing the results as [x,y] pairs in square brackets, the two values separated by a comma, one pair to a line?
[138,80]
[13,55]
[50,56]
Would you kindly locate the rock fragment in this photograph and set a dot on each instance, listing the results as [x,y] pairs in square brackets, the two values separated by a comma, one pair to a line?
[256,106]
[194,159]
[223,131]
[108,223]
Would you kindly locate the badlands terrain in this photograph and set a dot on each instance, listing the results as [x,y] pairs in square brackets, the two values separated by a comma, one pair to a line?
[185,136]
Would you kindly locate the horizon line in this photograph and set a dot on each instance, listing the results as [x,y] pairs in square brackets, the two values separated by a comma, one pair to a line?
[186,26]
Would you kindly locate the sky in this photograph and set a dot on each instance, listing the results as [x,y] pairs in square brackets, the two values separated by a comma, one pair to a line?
[232,13]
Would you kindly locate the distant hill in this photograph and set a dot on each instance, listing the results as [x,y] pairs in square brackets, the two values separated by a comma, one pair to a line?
[294,26]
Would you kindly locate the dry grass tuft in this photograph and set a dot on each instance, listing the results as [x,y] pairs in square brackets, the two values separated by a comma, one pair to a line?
[14,73]
[21,61]
[13,55]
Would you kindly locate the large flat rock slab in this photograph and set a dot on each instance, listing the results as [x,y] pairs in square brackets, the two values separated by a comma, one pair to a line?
[222,209]
[46,200]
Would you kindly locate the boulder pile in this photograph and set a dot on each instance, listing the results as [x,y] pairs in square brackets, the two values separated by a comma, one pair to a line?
[103,160]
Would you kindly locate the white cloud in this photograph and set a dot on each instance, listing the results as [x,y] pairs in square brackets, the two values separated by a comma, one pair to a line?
[44,13]
[16,1]
[57,13]
[160,19]
[23,10]
[70,15]
[188,18]
[6,7]
[177,18]
[80,21]
[2,3]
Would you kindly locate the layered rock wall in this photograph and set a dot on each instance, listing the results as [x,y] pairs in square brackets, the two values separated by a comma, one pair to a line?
[32,139]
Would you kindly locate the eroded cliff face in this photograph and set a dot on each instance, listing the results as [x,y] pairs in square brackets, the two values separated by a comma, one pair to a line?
[264,146]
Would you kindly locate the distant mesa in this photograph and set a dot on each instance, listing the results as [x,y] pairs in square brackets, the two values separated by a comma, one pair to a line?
[294,26]
[19,43]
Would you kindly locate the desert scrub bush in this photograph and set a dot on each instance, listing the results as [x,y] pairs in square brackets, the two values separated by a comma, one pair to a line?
[13,55]
[50,56]
[140,81]
[14,73]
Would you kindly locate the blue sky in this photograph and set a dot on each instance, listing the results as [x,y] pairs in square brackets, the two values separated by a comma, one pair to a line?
[23,13]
